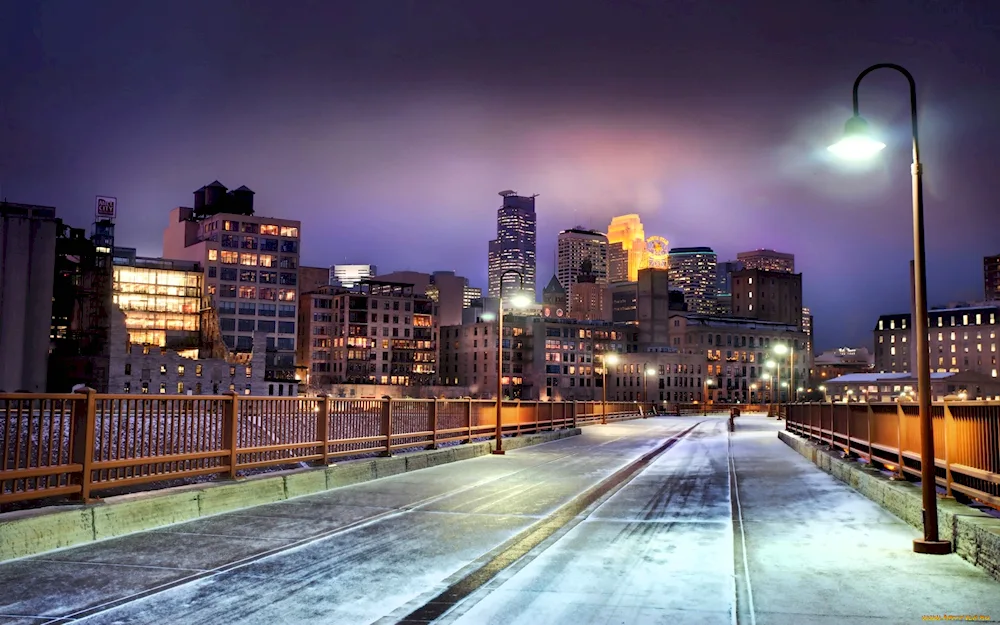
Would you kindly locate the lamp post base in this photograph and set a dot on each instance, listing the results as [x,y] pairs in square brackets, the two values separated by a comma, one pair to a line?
[931,547]
[498,452]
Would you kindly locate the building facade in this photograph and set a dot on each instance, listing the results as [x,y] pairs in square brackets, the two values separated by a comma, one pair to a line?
[27,269]
[991,278]
[653,307]
[768,296]
[617,263]
[624,302]
[544,358]
[470,294]
[251,270]
[349,275]
[444,287]
[767,260]
[724,286]
[659,375]
[514,248]
[890,387]
[694,270]
[162,300]
[378,332]
[312,278]
[575,246]
[961,339]
[736,353]
[841,361]
[627,231]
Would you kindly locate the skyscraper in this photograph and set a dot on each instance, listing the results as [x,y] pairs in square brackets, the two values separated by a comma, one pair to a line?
[991,277]
[693,271]
[514,247]
[575,246]
[724,285]
[767,260]
[627,230]
[617,263]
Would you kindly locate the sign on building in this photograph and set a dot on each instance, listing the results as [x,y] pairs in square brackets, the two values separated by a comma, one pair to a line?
[106,208]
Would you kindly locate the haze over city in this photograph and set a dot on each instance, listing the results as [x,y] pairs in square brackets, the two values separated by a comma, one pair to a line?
[388,128]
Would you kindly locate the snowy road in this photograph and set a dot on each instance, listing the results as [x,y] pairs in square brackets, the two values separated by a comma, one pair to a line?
[633,522]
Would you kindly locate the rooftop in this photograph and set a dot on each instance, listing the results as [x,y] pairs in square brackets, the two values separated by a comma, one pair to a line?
[854,378]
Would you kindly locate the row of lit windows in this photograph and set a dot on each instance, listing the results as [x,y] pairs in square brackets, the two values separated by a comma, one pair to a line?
[164,277]
[250,227]
[144,388]
[250,259]
[252,292]
[966,319]
[181,369]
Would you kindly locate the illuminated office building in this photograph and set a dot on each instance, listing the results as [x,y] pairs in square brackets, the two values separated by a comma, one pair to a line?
[349,275]
[514,247]
[251,273]
[161,299]
[693,270]
[575,246]
[628,231]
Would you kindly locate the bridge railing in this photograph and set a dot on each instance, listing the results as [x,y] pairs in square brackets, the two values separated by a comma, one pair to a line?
[78,444]
[966,439]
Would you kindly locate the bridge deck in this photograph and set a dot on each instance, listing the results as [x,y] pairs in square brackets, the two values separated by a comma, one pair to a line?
[633,522]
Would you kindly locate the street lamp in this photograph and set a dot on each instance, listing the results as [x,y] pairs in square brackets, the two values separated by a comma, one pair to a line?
[708,384]
[607,359]
[646,372]
[798,391]
[753,388]
[518,301]
[782,349]
[858,143]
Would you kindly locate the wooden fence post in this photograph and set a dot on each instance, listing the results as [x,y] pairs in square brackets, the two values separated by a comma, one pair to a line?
[387,425]
[323,428]
[230,431]
[84,438]
[949,438]
[433,418]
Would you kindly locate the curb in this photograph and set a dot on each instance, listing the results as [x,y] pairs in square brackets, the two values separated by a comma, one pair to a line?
[26,533]
[974,535]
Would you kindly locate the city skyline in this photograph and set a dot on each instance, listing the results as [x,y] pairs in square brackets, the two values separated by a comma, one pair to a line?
[722,153]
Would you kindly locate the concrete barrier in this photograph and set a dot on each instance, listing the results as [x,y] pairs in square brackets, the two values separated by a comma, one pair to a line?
[974,535]
[31,532]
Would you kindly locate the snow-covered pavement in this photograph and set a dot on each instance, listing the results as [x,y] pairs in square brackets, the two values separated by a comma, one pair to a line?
[611,526]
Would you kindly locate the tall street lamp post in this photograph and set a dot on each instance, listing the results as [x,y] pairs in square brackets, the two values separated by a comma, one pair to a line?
[858,143]
[607,359]
[708,385]
[645,396]
[518,301]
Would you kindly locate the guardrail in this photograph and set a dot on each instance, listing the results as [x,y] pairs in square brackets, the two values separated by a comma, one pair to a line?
[74,445]
[966,439]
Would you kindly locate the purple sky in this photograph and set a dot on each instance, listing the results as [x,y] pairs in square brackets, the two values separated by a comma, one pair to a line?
[389,126]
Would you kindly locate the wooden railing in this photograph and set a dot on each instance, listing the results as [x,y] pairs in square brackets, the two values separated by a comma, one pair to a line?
[966,439]
[75,445]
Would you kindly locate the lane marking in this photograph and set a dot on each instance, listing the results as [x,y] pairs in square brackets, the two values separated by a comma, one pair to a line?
[737,519]
[513,550]
[360,523]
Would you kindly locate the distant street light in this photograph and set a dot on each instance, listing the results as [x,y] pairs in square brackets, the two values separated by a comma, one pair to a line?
[607,359]
[646,372]
[518,301]
[858,143]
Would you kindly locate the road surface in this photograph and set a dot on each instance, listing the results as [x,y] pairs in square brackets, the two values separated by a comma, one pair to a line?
[665,520]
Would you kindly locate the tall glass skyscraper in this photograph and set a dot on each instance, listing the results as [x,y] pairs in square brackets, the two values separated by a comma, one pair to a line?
[514,247]
[693,271]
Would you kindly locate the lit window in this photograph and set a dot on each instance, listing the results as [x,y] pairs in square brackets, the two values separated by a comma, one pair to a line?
[289,231]
[268,229]
[231,226]
[286,295]
[180,388]
[213,254]
[892,351]
[180,370]
[248,259]
[268,260]
[953,336]
[229,258]
[248,292]
[163,388]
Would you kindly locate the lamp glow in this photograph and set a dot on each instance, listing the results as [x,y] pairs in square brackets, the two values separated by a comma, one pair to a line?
[611,359]
[858,143]
[520,301]
[781,348]
[650,371]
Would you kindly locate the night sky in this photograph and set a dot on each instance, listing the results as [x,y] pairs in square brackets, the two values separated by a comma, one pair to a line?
[389,126]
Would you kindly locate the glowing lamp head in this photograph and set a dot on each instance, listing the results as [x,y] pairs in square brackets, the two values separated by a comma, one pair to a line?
[799,389]
[650,371]
[770,364]
[781,349]
[710,382]
[611,359]
[858,143]
[520,301]
[488,316]
[822,388]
